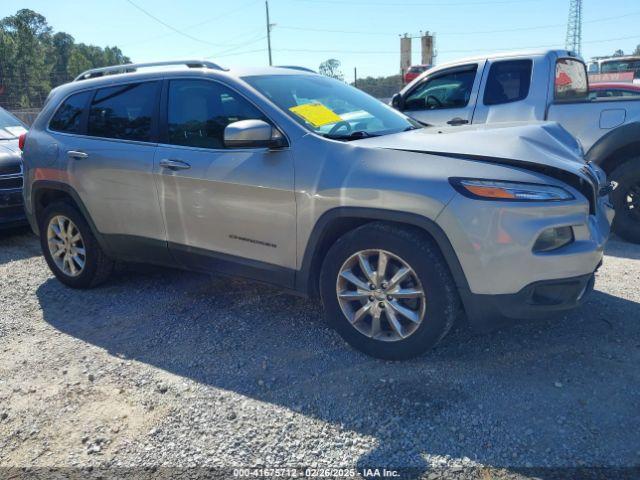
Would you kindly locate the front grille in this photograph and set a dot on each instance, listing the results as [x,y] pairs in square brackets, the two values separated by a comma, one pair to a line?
[10,182]
[12,169]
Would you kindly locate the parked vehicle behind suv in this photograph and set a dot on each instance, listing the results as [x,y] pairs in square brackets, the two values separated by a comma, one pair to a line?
[11,204]
[538,86]
[301,181]
[414,72]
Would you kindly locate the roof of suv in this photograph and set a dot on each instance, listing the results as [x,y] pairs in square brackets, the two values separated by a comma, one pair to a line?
[149,71]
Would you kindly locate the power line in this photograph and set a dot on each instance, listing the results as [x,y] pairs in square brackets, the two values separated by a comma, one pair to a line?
[171,27]
[422,4]
[477,32]
[250,42]
[195,25]
[258,50]
[394,52]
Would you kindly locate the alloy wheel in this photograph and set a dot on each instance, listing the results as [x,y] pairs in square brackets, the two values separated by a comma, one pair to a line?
[632,200]
[381,295]
[66,246]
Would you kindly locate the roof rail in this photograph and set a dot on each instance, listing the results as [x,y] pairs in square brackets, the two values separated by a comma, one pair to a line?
[132,67]
[295,67]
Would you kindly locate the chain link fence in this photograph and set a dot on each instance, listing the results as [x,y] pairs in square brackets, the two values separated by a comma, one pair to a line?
[24,103]
[26,115]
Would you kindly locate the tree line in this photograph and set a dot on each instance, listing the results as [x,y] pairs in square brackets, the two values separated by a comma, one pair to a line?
[34,59]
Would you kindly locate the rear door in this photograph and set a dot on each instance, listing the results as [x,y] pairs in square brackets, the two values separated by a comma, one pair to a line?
[447,97]
[107,138]
[226,209]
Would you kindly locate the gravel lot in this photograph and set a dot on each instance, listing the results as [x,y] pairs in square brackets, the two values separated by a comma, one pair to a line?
[164,368]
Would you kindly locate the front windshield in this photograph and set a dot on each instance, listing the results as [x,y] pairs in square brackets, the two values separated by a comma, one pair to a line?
[329,107]
[10,126]
[614,66]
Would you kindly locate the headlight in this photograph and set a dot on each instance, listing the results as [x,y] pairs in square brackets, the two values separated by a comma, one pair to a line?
[509,191]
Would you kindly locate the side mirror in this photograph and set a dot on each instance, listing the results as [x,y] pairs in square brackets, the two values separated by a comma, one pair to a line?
[397,102]
[252,134]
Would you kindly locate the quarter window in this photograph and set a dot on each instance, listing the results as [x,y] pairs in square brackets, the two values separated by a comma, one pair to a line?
[68,118]
[199,111]
[446,90]
[508,82]
[571,80]
[123,112]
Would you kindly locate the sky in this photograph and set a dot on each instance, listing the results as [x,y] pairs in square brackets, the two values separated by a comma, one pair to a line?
[362,34]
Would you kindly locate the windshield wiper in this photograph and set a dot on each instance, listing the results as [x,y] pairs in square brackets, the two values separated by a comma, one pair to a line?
[351,136]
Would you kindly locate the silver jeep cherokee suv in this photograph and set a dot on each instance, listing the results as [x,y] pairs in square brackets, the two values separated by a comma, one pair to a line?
[285,176]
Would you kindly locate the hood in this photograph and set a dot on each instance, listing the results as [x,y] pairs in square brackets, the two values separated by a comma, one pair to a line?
[10,159]
[542,144]
[541,147]
[9,146]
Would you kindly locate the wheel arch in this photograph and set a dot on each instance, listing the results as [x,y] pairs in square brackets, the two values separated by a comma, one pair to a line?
[338,221]
[46,192]
[616,147]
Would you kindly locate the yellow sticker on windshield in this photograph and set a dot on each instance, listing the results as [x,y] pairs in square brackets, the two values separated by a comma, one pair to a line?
[316,114]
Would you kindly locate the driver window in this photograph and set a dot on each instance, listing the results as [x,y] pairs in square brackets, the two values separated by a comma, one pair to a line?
[199,111]
[446,90]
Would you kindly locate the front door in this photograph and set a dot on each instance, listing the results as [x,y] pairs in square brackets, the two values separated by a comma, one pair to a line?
[444,98]
[226,209]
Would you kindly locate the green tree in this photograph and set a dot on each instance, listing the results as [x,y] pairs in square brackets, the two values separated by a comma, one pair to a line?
[381,87]
[28,63]
[331,68]
[618,53]
[77,64]
[33,59]
[63,46]
[637,50]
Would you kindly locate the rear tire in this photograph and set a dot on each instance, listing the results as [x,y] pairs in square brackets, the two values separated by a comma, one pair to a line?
[70,248]
[398,323]
[626,200]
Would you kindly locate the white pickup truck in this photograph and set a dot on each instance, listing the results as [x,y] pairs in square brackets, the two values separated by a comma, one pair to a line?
[549,85]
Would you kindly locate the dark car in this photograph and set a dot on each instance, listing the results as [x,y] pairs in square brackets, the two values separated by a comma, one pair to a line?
[11,202]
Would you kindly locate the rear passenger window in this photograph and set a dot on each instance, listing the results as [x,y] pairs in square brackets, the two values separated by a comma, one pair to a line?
[508,82]
[199,111]
[68,117]
[123,112]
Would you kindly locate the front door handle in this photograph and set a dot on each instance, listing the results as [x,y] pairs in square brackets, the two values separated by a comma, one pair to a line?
[76,155]
[457,121]
[174,164]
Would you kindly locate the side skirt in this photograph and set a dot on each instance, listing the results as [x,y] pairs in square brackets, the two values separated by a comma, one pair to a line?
[206,261]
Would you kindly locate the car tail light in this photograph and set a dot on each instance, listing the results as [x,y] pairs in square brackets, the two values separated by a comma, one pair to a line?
[21,141]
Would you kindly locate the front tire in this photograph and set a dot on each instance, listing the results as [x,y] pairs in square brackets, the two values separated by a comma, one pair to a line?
[388,291]
[70,248]
[626,200]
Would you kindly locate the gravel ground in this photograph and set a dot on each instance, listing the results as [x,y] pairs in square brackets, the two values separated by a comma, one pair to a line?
[163,368]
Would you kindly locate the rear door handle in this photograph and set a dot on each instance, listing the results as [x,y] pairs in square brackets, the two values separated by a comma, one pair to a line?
[75,155]
[457,121]
[174,164]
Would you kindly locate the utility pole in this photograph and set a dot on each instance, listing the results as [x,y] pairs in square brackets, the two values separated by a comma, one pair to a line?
[574,27]
[266,4]
[355,77]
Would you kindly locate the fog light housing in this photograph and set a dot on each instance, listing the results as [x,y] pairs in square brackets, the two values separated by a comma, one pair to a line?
[553,238]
